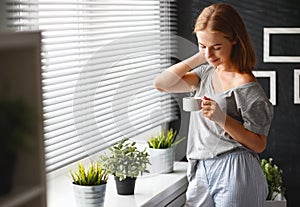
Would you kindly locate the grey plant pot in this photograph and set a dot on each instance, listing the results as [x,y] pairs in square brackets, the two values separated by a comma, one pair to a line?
[126,186]
[162,160]
[89,196]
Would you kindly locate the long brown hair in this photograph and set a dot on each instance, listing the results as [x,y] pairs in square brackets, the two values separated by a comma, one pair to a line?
[224,19]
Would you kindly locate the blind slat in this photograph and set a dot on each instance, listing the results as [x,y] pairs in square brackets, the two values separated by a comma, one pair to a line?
[58,117]
[94,66]
[86,2]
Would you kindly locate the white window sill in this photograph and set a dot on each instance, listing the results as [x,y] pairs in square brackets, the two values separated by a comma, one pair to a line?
[150,190]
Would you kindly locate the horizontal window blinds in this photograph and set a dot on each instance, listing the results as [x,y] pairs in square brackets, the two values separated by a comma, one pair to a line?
[99,60]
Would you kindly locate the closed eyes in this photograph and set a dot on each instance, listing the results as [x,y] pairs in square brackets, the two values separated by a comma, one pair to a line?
[212,47]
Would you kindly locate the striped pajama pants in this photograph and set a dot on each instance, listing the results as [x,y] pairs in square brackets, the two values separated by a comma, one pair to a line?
[232,179]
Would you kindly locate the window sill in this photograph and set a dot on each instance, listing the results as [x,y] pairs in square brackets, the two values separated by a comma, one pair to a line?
[150,190]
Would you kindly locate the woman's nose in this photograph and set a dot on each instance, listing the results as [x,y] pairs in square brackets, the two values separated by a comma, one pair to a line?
[208,52]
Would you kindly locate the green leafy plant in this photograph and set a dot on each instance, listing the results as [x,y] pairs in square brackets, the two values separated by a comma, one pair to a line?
[274,178]
[93,175]
[164,139]
[16,124]
[125,160]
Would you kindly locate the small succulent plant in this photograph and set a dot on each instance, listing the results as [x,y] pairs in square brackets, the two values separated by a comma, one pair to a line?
[125,160]
[164,139]
[274,178]
[88,176]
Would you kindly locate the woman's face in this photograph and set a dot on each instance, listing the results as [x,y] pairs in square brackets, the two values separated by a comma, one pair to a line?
[215,47]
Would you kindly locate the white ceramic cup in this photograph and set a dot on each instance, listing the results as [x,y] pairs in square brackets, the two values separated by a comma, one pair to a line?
[192,103]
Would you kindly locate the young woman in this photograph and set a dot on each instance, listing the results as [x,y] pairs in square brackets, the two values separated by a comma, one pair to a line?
[232,126]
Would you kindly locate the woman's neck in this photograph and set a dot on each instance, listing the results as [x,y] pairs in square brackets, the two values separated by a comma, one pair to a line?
[226,68]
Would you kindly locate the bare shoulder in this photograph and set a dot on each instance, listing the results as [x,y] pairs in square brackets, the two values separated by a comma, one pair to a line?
[243,78]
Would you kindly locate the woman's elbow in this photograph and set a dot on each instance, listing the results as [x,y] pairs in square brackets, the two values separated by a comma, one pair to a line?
[260,149]
[158,85]
[262,146]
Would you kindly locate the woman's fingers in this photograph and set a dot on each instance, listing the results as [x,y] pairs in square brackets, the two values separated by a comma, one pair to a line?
[212,111]
[207,107]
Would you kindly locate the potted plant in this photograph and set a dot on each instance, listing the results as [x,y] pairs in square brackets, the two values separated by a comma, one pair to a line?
[16,131]
[162,151]
[89,185]
[274,179]
[125,162]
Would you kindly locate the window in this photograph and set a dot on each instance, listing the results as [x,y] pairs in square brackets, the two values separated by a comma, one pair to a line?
[99,59]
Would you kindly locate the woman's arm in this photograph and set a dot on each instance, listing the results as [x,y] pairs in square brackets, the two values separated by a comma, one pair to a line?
[251,140]
[177,78]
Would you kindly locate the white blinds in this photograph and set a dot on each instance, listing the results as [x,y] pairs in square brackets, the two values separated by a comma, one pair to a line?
[99,61]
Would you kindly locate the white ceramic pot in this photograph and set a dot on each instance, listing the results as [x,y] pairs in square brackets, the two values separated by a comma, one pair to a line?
[279,201]
[89,196]
[162,160]
[276,203]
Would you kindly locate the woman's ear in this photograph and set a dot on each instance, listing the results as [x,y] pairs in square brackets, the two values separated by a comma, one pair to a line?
[234,41]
